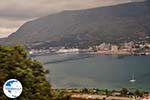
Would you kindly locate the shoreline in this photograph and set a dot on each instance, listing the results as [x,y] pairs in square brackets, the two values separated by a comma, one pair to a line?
[97,94]
[100,53]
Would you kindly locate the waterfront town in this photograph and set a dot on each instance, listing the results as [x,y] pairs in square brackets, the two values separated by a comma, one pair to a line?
[130,48]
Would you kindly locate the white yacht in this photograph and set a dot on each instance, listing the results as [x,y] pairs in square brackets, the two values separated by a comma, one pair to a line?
[132,80]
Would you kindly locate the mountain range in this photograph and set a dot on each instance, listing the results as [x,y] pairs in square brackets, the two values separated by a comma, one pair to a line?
[117,23]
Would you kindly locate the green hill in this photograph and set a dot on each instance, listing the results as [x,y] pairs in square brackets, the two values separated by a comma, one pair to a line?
[123,22]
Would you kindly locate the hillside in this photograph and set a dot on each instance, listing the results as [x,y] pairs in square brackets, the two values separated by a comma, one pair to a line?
[82,27]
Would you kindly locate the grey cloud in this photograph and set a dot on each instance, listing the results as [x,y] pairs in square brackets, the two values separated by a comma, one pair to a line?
[4,32]
[27,9]
[10,23]
[8,26]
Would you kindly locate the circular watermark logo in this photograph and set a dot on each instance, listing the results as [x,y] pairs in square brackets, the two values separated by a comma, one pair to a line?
[12,88]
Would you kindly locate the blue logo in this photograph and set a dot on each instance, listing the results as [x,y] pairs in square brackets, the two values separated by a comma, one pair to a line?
[12,88]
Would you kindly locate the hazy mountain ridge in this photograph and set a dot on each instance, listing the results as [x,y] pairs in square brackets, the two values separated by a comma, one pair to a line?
[110,24]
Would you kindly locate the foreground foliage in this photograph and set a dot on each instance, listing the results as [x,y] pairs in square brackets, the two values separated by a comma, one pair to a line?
[15,64]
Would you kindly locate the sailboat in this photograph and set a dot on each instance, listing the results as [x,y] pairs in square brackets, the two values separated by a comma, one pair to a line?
[132,80]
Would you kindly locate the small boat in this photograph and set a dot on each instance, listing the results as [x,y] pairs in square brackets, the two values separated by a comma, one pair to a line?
[132,80]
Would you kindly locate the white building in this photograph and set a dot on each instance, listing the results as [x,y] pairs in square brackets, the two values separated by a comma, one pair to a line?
[67,50]
[114,48]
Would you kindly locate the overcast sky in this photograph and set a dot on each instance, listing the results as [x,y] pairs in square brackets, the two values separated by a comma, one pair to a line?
[13,13]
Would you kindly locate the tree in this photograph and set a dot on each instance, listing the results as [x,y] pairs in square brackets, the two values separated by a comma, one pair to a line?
[85,90]
[138,93]
[108,93]
[15,64]
[124,91]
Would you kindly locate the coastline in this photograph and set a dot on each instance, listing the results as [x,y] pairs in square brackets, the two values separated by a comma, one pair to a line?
[97,94]
[98,52]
